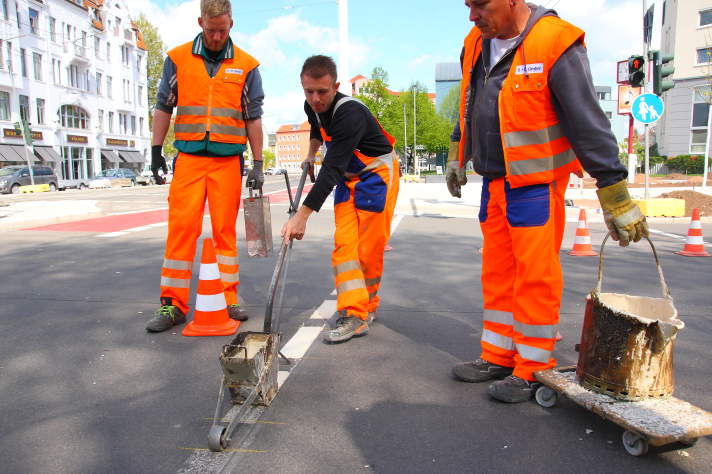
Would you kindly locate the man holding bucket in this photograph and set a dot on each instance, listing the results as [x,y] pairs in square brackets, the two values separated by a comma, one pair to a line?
[217,90]
[529,117]
[361,163]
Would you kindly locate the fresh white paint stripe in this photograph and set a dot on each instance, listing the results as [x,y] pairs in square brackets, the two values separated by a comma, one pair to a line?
[281,377]
[395,222]
[209,271]
[333,292]
[210,302]
[325,311]
[138,229]
[112,234]
[158,224]
[674,236]
[299,344]
[137,212]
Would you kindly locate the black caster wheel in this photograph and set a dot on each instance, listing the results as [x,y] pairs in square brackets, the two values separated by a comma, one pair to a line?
[217,439]
[635,444]
[546,396]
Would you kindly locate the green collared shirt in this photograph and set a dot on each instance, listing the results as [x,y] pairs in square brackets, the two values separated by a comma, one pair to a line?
[206,147]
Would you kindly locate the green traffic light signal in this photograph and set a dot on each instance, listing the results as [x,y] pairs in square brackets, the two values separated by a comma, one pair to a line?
[636,71]
[661,72]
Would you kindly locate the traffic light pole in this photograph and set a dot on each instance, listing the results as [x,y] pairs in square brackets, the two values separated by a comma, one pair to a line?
[645,83]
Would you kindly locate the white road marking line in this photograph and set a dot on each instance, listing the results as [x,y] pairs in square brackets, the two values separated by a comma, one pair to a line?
[137,212]
[333,292]
[299,344]
[675,236]
[138,229]
[325,311]
[281,377]
[112,234]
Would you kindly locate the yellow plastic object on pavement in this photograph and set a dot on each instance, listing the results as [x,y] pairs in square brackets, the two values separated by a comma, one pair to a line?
[662,207]
[35,188]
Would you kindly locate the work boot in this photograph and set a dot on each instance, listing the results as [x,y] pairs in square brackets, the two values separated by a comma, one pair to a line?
[346,328]
[512,390]
[236,313]
[165,317]
[480,371]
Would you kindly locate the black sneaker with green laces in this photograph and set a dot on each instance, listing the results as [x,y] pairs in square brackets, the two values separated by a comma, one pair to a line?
[165,317]
[346,328]
[236,313]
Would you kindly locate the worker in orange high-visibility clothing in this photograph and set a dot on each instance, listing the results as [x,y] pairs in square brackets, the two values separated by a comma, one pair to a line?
[529,116]
[217,90]
[361,163]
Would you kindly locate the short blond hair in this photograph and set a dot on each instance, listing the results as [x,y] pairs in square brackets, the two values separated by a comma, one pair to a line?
[213,8]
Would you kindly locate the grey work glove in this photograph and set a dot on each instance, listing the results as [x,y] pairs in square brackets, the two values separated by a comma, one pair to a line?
[455,177]
[622,216]
[255,178]
[158,162]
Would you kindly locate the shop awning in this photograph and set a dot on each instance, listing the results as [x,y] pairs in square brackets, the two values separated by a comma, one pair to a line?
[15,154]
[110,156]
[47,154]
[131,156]
[7,153]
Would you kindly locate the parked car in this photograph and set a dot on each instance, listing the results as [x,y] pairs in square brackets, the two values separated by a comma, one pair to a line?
[270,171]
[114,177]
[12,177]
[146,176]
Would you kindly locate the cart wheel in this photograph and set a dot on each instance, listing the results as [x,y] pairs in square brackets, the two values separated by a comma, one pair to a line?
[635,444]
[689,442]
[546,396]
[217,438]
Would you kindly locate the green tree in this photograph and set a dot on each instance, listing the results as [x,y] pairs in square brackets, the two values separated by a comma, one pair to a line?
[450,106]
[154,61]
[268,157]
[376,94]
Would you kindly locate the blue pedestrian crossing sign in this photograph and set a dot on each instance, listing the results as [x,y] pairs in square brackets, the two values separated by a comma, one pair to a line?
[647,108]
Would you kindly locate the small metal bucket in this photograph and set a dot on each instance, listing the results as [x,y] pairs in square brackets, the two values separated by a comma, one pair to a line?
[250,364]
[258,224]
[626,348]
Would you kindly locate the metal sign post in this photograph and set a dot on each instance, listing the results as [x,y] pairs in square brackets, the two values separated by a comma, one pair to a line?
[647,109]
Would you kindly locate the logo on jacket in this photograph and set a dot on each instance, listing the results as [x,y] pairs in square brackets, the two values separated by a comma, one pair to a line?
[530,69]
[233,71]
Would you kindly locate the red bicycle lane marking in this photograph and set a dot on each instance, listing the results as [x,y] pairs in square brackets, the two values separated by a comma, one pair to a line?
[123,222]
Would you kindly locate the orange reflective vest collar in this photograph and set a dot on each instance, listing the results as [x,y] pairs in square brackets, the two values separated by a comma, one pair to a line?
[210,104]
[535,148]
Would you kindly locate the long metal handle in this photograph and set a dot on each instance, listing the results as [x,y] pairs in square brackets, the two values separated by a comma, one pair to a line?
[666,290]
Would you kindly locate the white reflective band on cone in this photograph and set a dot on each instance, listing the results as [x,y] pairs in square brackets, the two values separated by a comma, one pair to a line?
[210,302]
[209,271]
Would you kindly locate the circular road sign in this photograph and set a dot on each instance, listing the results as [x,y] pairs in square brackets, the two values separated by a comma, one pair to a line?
[647,108]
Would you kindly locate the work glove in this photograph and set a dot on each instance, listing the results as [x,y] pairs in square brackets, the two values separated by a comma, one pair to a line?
[158,162]
[308,164]
[455,177]
[255,178]
[622,216]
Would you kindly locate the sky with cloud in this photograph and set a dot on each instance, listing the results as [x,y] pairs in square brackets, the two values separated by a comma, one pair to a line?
[406,38]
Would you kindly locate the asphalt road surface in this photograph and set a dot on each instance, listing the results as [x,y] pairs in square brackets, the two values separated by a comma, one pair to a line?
[84,388]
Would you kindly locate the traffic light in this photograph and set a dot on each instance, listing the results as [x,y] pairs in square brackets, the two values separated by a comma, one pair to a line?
[661,70]
[636,70]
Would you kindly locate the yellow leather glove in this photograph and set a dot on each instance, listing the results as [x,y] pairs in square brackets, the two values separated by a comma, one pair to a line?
[455,177]
[621,214]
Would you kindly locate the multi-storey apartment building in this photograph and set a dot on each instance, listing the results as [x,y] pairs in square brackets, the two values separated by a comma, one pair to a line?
[686,34]
[76,71]
[292,146]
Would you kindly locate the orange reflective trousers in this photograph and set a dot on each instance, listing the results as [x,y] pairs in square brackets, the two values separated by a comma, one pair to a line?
[522,280]
[195,178]
[364,206]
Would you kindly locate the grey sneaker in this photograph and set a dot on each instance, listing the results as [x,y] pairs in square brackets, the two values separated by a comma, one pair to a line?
[165,318]
[236,313]
[346,328]
[512,390]
[480,371]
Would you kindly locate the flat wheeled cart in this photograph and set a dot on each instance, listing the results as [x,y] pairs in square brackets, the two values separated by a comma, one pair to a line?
[654,421]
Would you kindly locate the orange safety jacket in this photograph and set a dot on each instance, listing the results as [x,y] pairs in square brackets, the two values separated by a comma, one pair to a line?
[535,148]
[210,104]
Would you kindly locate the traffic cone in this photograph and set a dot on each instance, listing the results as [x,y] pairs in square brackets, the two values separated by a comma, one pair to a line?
[582,240]
[210,317]
[694,245]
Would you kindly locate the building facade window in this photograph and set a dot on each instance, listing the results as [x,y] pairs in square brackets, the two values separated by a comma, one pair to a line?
[72,116]
[700,112]
[97,47]
[133,125]
[40,111]
[109,87]
[24,108]
[73,76]
[5,12]
[108,52]
[52,29]
[140,126]
[98,83]
[704,56]
[139,99]
[4,105]
[23,62]
[37,65]
[706,17]
[100,119]
[34,17]
[8,49]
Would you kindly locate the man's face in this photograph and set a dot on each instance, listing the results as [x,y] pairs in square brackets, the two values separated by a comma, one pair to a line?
[494,18]
[319,92]
[215,31]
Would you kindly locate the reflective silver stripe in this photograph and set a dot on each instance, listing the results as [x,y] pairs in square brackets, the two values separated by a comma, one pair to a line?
[533,137]
[224,112]
[350,285]
[386,160]
[537,165]
[372,281]
[534,353]
[503,342]
[189,128]
[501,317]
[544,331]
[230,277]
[342,101]
[175,282]
[191,110]
[227,260]
[346,266]
[177,264]
[629,217]
[228,130]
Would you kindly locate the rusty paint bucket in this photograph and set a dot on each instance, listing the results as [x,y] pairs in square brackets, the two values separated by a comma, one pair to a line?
[626,348]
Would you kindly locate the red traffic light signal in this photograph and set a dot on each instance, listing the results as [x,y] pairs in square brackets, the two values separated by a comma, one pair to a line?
[636,71]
